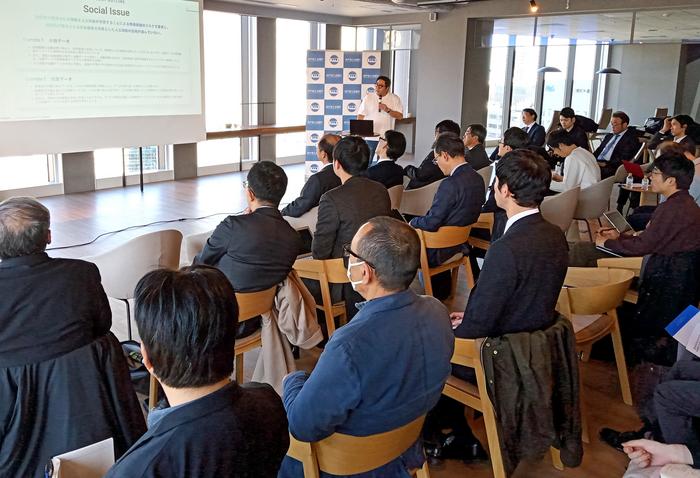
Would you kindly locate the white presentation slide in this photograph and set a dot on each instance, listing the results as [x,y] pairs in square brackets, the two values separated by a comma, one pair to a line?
[99,58]
[89,59]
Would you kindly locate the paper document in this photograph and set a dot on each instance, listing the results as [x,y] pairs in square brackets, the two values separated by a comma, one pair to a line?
[91,461]
[686,329]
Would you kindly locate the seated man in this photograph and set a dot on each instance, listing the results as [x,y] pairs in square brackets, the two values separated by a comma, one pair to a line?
[568,123]
[474,152]
[620,145]
[457,202]
[391,147]
[317,184]
[212,427]
[428,172]
[385,368]
[580,167]
[677,129]
[54,314]
[256,250]
[344,209]
[518,287]
[535,132]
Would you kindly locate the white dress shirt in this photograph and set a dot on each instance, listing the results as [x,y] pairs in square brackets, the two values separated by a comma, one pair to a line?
[382,120]
[520,215]
[580,169]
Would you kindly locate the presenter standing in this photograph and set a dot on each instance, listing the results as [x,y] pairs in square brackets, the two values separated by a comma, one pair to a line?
[382,107]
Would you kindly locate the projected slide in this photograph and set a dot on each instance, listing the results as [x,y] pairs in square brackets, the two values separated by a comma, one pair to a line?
[65,59]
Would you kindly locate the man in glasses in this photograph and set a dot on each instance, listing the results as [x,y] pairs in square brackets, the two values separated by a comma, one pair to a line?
[388,366]
[383,107]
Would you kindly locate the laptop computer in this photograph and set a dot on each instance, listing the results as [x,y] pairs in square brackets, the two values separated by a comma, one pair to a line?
[618,221]
[363,128]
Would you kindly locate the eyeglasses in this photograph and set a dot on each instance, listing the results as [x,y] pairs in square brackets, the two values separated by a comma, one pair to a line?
[380,85]
[435,157]
[656,171]
[245,184]
[347,252]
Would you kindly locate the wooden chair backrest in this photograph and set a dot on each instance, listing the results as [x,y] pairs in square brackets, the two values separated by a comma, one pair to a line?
[554,124]
[633,264]
[446,236]
[331,270]
[589,291]
[417,201]
[467,352]
[559,209]
[660,112]
[253,304]
[341,454]
[485,174]
[605,117]
[395,195]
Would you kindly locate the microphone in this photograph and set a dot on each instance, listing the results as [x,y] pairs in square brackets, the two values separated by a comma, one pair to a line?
[380,103]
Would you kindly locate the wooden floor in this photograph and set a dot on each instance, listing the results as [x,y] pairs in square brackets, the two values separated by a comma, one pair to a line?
[78,218]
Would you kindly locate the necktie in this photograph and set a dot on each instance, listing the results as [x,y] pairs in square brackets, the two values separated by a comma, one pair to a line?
[604,156]
[526,129]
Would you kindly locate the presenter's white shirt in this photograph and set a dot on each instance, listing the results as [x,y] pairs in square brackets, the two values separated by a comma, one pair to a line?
[580,169]
[382,120]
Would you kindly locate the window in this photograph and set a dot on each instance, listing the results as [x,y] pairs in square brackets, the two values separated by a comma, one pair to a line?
[584,68]
[112,162]
[555,83]
[527,59]
[293,40]
[28,171]
[497,79]
[348,38]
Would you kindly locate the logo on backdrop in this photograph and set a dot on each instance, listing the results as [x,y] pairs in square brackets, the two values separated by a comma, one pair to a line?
[371,89]
[314,137]
[372,60]
[352,107]
[333,91]
[352,76]
[334,59]
[333,123]
[314,168]
[315,107]
[315,75]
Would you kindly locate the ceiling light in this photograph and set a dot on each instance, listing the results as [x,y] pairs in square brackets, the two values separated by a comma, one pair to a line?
[609,71]
[533,6]
[548,69]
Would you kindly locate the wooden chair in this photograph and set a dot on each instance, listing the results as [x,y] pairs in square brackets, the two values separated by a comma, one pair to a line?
[633,264]
[395,194]
[660,112]
[446,236]
[559,209]
[122,267]
[596,292]
[605,117]
[417,202]
[341,454]
[326,272]
[485,174]
[308,219]
[468,354]
[250,305]
[485,221]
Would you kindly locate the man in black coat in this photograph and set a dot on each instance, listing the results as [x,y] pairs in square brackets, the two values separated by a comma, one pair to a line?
[620,145]
[212,427]
[519,285]
[428,172]
[569,123]
[535,132]
[255,250]
[391,147]
[474,152]
[318,183]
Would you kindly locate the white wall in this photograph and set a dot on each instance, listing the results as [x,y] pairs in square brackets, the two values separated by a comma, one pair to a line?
[649,79]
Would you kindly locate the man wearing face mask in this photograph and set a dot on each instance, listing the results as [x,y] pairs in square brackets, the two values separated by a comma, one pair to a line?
[388,366]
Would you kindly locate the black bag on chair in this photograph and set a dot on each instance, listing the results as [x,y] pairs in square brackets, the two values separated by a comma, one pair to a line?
[653,125]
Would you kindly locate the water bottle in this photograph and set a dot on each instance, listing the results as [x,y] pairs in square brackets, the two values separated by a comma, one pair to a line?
[558,168]
[645,183]
[629,181]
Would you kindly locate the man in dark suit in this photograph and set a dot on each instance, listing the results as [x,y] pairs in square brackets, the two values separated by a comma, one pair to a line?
[535,132]
[391,147]
[212,426]
[474,152]
[428,172]
[457,202]
[680,129]
[520,283]
[568,122]
[255,250]
[344,209]
[621,144]
[317,184]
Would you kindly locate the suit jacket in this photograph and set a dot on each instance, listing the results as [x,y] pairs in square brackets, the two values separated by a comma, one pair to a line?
[49,307]
[457,202]
[520,282]
[426,173]
[343,210]
[660,137]
[536,133]
[477,157]
[388,173]
[311,193]
[255,251]
[237,431]
[625,149]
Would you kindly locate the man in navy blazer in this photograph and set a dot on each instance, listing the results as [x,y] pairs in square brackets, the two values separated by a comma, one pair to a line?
[622,144]
[535,132]
[458,199]
[317,184]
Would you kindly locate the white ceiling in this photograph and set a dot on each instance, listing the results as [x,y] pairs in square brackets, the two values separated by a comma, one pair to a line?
[347,8]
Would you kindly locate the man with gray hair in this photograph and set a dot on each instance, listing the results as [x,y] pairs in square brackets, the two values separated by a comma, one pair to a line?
[387,367]
[49,306]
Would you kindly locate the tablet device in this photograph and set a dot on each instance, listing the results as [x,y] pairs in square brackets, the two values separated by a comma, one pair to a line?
[363,128]
[618,221]
[633,168]
[608,251]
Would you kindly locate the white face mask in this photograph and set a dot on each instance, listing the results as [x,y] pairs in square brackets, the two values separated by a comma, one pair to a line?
[353,283]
